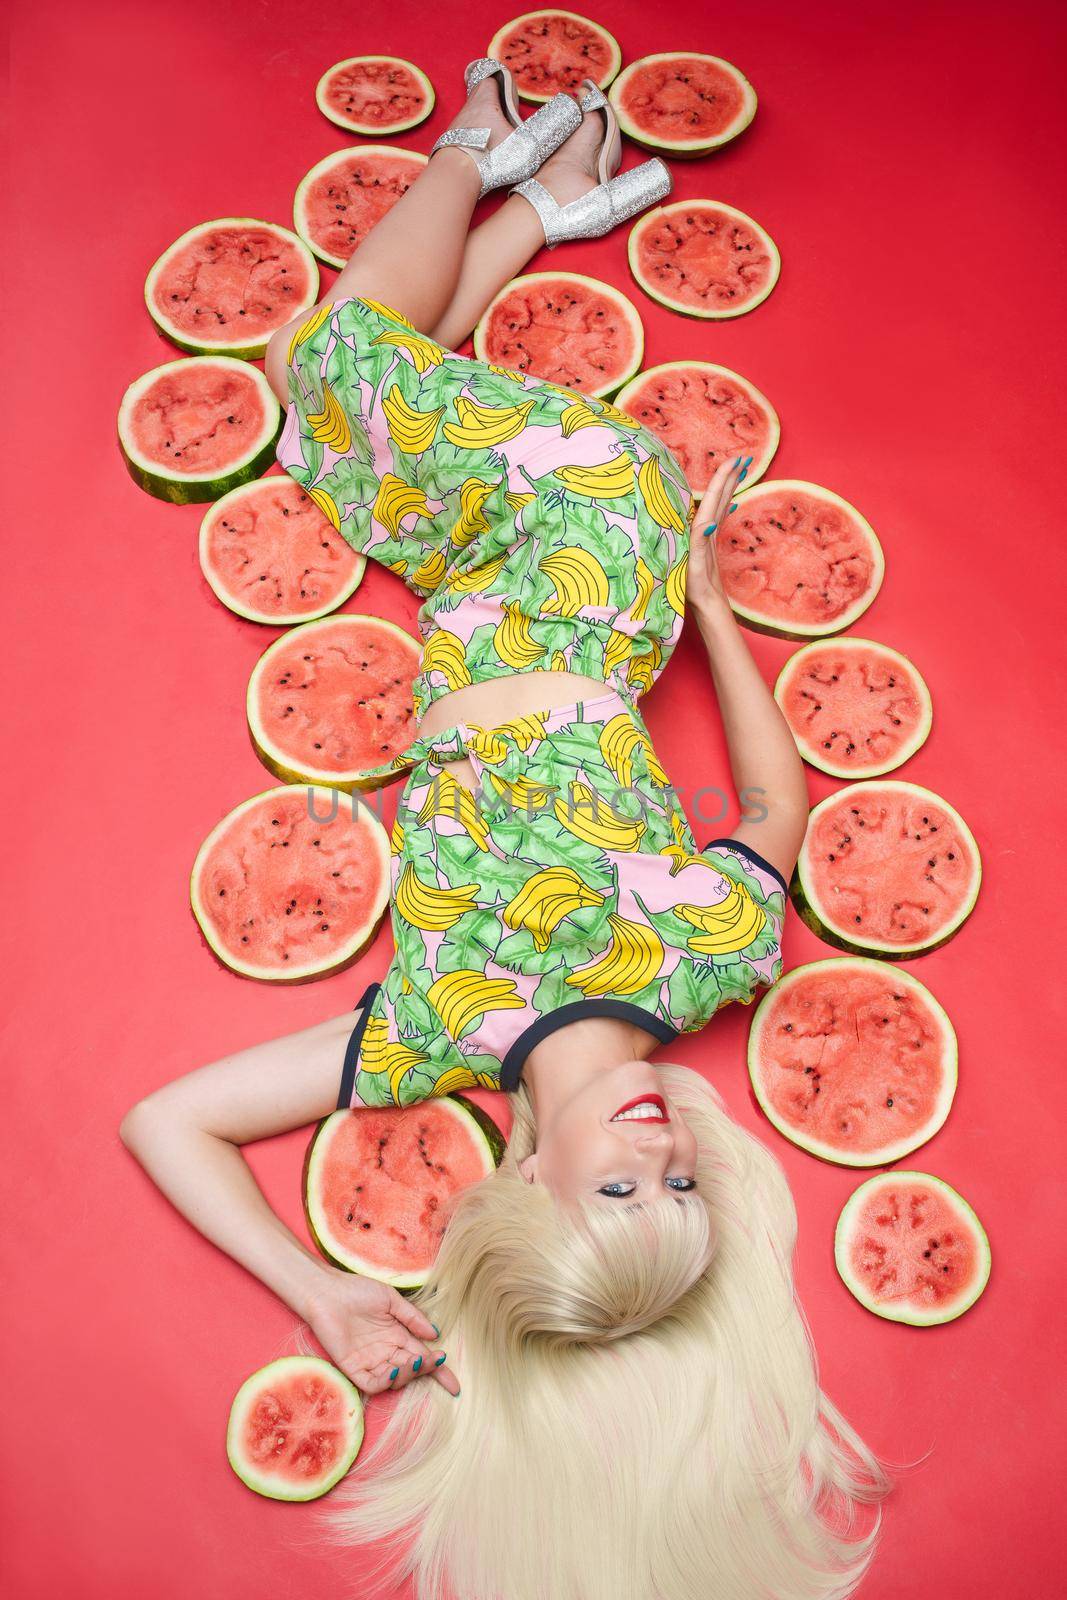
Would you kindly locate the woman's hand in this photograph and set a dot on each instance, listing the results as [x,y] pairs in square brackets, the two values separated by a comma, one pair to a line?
[373,1334]
[704,590]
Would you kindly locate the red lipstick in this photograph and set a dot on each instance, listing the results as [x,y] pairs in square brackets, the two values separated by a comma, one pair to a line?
[656,1100]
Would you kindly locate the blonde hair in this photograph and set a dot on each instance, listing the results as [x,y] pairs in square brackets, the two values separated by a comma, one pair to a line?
[637,1422]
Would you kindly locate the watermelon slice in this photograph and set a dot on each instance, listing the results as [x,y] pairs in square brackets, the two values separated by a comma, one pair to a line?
[332,698]
[682,102]
[911,1249]
[292,884]
[225,286]
[853,1061]
[295,1428]
[551,51]
[887,869]
[857,709]
[271,555]
[703,258]
[797,560]
[705,414]
[569,329]
[378,1183]
[375,94]
[193,429]
[345,194]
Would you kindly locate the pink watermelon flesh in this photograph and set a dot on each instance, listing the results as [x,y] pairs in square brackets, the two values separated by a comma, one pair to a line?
[910,1247]
[683,99]
[855,706]
[198,418]
[703,417]
[795,558]
[553,51]
[890,865]
[271,549]
[341,206]
[565,332]
[281,890]
[375,94]
[233,284]
[298,1428]
[338,699]
[854,1061]
[703,258]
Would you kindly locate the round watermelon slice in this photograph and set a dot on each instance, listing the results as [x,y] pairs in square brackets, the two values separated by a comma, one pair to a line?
[797,560]
[705,414]
[703,258]
[682,102]
[225,286]
[856,709]
[292,884]
[193,429]
[331,699]
[568,329]
[886,869]
[271,555]
[911,1249]
[375,94]
[551,51]
[295,1428]
[344,195]
[853,1061]
[379,1182]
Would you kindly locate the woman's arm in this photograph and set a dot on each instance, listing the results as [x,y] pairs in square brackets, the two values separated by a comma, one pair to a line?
[763,755]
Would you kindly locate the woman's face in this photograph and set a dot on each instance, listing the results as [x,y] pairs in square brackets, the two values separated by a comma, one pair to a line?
[617,1140]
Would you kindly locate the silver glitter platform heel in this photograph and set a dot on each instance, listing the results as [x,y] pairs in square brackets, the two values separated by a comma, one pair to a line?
[614,200]
[524,150]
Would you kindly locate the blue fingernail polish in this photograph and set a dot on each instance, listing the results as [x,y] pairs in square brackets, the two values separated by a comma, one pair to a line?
[739,462]
[394,1374]
[710,529]
[416,1364]
[732,508]
[749,460]
[440,1359]
[743,475]
[435,1328]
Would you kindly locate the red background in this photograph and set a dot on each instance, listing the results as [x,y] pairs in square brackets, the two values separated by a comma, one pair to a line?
[905,159]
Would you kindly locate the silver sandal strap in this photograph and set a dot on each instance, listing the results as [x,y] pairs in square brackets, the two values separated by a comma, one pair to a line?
[596,213]
[464,138]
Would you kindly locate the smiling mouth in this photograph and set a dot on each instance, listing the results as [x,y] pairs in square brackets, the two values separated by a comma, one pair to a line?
[647,1108]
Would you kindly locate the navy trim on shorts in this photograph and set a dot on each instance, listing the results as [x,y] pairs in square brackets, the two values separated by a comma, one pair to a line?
[513,1063]
[753,855]
[348,1071]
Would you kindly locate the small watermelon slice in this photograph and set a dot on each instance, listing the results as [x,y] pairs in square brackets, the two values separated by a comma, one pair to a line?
[682,102]
[566,328]
[853,1061]
[375,94]
[886,868]
[295,1428]
[379,1183]
[551,51]
[703,258]
[798,560]
[225,286]
[856,709]
[333,698]
[705,414]
[292,884]
[338,202]
[911,1249]
[271,555]
[193,429]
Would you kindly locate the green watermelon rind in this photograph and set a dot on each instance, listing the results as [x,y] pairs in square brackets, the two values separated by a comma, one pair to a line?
[476,1122]
[336,158]
[683,149]
[633,250]
[218,588]
[499,39]
[809,752]
[915,1318]
[626,308]
[310,972]
[759,622]
[818,1147]
[271,755]
[807,903]
[763,461]
[289,1365]
[247,352]
[352,126]
[183,488]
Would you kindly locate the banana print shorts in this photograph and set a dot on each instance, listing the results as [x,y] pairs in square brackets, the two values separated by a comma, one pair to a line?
[569,885]
[543,530]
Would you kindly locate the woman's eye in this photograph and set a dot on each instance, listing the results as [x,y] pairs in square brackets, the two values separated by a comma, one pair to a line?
[683,1185]
[617,1190]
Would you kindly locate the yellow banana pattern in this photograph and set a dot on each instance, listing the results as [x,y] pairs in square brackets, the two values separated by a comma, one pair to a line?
[307,330]
[485,427]
[447,798]
[608,481]
[588,816]
[726,928]
[545,899]
[578,580]
[656,500]
[428,908]
[410,429]
[514,640]
[443,653]
[396,500]
[631,961]
[330,425]
[461,997]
